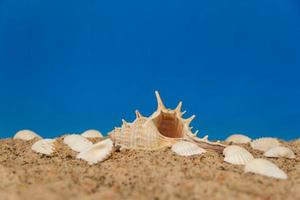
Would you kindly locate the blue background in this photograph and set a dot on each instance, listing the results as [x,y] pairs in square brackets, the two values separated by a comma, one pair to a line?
[69,66]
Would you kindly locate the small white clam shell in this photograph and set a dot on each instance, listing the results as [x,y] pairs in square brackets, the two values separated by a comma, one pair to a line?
[97,152]
[44,146]
[280,151]
[92,134]
[237,155]
[184,148]
[265,168]
[264,144]
[238,139]
[26,135]
[77,142]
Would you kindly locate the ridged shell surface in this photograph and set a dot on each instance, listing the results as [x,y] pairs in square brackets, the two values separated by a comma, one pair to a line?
[280,151]
[92,134]
[184,148]
[237,155]
[264,144]
[238,139]
[265,168]
[77,142]
[97,152]
[26,135]
[44,146]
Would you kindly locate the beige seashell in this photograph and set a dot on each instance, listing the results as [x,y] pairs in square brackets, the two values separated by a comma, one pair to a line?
[26,135]
[238,139]
[264,144]
[44,146]
[162,129]
[280,151]
[92,134]
[184,148]
[77,142]
[97,152]
[265,168]
[237,155]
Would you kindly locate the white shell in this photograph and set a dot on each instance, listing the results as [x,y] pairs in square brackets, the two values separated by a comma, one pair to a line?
[92,134]
[184,148]
[44,146]
[238,139]
[77,142]
[97,152]
[26,135]
[265,168]
[237,155]
[264,144]
[280,152]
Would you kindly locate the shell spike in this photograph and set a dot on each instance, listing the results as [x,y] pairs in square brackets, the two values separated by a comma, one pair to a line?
[182,113]
[195,134]
[138,114]
[125,123]
[160,104]
[189,120]
[178,108]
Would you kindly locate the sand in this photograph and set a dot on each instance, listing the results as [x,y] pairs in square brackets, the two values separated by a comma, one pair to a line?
[130,174]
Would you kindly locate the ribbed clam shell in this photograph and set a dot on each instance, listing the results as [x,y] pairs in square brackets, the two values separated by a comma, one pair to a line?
[26,135]
[265,168]
[44,146]
[184,148]
[264,144]
[97,152]
[92,134]
[238,139]
[77,142]
[237,155]
[280,151]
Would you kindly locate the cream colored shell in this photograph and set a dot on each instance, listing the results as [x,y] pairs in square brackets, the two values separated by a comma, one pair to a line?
[77,142]
[238,139]
[280,151]
[184,148]
[26,135]
[92,134]
[264,144]
[44,146]
[237,155]
[97,152]
[265,168]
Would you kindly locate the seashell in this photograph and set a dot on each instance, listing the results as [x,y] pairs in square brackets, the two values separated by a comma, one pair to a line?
[44,146]
[237,155]
[97,152]
[92,134]
[238,139]
[77,142]
[280,151]
[265,168]
[26,135]
[184,148]
[162,129]
[264,144]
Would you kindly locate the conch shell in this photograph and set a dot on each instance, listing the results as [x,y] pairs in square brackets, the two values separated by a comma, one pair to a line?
[162,129]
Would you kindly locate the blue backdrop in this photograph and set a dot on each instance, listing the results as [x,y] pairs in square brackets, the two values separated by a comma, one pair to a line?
[69,66]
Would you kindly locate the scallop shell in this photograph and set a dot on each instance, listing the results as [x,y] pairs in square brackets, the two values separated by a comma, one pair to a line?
[237,155]
[26,135]
[265,168]
[97,152]
[264,144]
[280,152]
[238,139]
[92,134]
[184,148]
[162,129]
[77,142]
[44,146]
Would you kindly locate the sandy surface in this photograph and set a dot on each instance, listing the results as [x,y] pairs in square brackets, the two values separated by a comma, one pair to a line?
[132,174]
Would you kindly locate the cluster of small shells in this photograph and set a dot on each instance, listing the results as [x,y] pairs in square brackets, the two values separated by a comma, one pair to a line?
[271,148]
